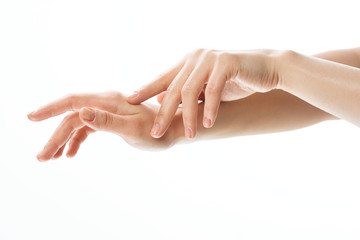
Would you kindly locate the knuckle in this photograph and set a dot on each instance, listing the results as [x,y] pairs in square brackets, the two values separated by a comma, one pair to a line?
[105,119]
[186,90]
[161,116]
[71,98]
[171,87]
[68,119]
[198,51]
[223,57]
[113,95]
[208,54]
[211,90]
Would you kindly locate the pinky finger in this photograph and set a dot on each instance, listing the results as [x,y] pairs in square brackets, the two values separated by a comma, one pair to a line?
[78,138]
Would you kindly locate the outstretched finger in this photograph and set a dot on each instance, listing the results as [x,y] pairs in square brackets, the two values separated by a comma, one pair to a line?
[156,86]
[70,102]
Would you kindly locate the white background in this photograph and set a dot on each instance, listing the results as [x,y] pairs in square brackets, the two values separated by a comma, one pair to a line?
[302,184]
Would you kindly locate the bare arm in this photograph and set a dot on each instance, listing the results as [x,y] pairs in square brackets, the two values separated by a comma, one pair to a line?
[259,113]
[330,86]
[272,111]
[230,75]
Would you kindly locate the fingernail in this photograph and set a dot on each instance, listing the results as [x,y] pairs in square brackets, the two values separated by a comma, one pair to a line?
[188,133]
[134,95]
[88,114]
[207,122]
[155,130]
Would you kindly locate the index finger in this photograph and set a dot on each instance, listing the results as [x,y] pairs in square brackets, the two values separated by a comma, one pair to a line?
[157,86]
[70,102]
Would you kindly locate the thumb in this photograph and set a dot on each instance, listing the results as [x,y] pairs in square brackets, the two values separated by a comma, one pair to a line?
[100,120]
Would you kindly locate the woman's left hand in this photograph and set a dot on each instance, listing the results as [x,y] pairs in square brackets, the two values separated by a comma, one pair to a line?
[218,75]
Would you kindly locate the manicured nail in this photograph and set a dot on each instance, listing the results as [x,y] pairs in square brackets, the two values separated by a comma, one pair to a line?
[155,131]
[207,122]
[88,114]
[134,95]
[189,133]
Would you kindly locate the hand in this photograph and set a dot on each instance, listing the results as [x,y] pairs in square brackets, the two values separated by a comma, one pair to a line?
[217,75]
[92,112]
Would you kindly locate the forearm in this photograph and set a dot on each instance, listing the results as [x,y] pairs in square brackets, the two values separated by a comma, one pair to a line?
[269,112]
[349,57]
[332,87]
[259,113]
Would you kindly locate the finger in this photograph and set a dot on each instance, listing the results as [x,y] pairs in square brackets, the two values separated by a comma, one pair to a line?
[105,121]
[160,97]
[61,135]
[190,95]
[213,92]
[70,102]
[59,152]
[78,138]
[155,87]
[170,102]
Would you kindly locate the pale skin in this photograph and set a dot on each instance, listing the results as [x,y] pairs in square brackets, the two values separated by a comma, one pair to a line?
[301,91]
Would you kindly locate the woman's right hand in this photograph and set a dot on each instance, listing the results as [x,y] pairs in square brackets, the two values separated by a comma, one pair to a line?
[217,75]
[106,111]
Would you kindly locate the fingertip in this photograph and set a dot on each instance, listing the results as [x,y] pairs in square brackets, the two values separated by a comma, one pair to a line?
[31,116]
[189,133]
[41,158]
[70,154]
[207,122]
[133,98]
[156,131]
[87,114]
[160,97]
[71,151]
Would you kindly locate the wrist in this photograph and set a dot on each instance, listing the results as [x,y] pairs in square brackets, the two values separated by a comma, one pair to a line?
[282,63]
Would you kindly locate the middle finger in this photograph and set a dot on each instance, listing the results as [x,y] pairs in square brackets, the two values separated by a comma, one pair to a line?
[171,102]
[61,135]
